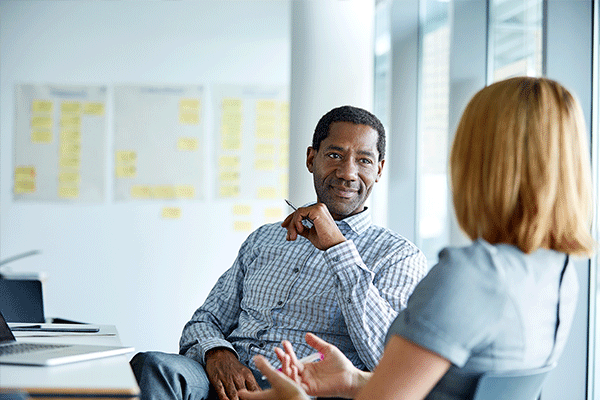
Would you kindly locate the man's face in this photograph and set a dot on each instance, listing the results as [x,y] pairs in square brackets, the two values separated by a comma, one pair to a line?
[345,168]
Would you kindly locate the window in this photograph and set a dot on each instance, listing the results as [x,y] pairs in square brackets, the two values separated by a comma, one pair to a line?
[433,140]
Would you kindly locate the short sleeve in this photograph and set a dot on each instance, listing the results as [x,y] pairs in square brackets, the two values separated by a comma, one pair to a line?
[456,307]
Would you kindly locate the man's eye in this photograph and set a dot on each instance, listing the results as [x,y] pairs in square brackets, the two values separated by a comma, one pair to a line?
[366,161]
[334,155]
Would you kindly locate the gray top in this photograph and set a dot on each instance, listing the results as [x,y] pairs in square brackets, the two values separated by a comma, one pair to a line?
[490,308]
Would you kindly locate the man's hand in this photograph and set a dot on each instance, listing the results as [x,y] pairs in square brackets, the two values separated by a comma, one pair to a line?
[227,374]
[324,232]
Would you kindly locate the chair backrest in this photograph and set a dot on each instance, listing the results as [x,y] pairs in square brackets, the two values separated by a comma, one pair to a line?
[512,385]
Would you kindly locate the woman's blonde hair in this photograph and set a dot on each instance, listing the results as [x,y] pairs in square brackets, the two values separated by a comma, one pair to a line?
[520,168]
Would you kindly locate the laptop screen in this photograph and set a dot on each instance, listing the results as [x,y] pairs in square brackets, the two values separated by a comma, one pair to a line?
[6,335]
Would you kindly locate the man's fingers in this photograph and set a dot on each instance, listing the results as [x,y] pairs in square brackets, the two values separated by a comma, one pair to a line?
[230,390]
[251,383]
[220,390]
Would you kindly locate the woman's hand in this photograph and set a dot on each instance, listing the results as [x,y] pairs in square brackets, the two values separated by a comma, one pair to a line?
[334,376]
[282,387]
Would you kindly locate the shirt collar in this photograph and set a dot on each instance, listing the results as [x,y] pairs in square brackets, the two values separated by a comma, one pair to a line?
[359,223]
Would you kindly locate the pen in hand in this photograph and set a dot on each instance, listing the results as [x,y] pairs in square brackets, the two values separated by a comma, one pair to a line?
[307,222]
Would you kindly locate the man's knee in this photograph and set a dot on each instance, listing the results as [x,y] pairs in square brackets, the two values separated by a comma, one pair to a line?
[171,374]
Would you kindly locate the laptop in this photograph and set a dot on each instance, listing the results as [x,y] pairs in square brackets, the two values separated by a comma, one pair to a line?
[47,354]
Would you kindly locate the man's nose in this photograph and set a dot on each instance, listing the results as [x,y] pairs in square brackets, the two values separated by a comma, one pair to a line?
[347,170]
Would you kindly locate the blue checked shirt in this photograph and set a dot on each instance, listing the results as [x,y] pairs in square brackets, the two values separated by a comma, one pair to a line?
[348,295]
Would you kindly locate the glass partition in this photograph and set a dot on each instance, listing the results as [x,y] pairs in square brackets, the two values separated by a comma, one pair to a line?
[515,38]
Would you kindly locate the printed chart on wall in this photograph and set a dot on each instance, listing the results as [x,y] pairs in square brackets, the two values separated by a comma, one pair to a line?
[59,150]
[158,142]
[252,142]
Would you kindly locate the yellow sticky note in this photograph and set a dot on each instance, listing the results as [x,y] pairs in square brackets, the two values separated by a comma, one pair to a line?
[125,171]
[24,187]
[163,192]
[189,118]
[93,108]
[227,176]
[171,212]
[189,105]
[68,192]
[229,161]
[25,173]
[265,131]
[242,209]
[69,177]
[229,191]
[125,156]
[231,143]
[265,149]
[70,135]
[70,121]
[267,192]
[184,192]
[265,106]
[141,192]
[231,119]
[73,162]
[273,214]
[284,162]
[242,226]
[70,107]
[187,144]
[41,136]
[231,104]
[70,148]
[41,122]
[42,106]
[264,165]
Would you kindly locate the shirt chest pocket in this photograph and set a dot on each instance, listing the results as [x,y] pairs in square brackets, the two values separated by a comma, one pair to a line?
[263,278]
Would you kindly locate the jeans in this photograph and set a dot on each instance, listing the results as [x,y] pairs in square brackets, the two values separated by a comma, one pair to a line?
[173,376]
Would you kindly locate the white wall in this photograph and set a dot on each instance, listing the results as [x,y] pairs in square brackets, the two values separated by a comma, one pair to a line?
[121,263]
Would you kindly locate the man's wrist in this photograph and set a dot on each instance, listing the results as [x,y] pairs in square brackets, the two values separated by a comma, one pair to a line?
[219,352]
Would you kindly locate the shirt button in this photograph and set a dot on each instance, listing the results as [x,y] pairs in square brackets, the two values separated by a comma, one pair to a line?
[349,300]
[261,345]
[279,302]
[336,258]
[296,270]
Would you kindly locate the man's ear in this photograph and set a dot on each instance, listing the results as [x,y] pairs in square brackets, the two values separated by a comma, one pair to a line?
[379,169]
[310,157]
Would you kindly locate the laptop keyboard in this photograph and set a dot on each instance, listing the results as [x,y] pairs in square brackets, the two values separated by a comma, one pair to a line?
[17,348]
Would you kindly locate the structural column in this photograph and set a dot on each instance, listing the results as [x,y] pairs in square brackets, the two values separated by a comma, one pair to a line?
[332,65]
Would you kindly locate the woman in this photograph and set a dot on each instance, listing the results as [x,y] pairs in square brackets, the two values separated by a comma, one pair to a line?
[521,187]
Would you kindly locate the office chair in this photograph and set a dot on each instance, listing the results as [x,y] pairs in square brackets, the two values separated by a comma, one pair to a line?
[512,385]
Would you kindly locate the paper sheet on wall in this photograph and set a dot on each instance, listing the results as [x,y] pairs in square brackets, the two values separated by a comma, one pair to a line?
[60,137]
[158,145]
[252,142]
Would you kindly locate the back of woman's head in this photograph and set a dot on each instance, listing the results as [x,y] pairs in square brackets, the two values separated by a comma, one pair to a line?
[520,168]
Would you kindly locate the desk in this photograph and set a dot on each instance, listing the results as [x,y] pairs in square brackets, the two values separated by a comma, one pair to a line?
[104,378]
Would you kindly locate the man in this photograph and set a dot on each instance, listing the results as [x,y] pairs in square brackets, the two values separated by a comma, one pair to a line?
[326,269]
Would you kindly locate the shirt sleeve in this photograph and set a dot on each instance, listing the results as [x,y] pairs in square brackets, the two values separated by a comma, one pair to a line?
[455,308]
[371,299]
[218,316]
